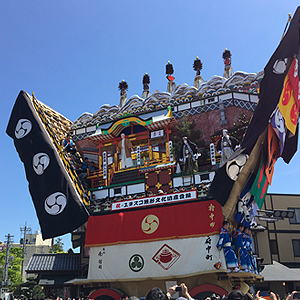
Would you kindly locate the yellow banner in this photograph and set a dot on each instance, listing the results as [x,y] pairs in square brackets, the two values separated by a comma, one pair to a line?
[287,104]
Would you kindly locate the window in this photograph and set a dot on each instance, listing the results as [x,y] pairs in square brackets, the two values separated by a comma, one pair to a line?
[273,247]
[296,218]
[117,191]
[296,247]
[204,177]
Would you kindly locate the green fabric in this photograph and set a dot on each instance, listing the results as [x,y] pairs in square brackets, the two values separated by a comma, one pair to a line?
[260,185]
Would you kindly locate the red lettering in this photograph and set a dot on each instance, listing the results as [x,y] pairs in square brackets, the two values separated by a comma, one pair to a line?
[264,190]
[261,173]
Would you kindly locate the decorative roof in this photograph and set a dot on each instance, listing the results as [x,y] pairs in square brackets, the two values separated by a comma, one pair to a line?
[153,123]
[59,124]
[239,81]
[53,262]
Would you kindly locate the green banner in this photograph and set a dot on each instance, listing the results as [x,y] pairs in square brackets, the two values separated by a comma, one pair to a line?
[260,186]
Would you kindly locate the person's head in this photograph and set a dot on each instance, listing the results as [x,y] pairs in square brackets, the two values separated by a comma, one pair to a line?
[184,139]
[247,230]
[122,135]
[240,226]
[156,294]
[236,295]
[226,224]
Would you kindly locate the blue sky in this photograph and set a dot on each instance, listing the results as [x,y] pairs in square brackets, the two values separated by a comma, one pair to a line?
[73,54]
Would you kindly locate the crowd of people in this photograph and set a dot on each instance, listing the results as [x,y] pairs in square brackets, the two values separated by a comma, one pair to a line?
[237,293]
[237,248]
[240,292]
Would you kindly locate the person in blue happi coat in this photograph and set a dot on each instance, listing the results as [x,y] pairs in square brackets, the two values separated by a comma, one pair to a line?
[240,250]
[247,240]
[225,244]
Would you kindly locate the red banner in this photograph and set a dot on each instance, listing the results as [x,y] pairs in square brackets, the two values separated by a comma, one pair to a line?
[160,223]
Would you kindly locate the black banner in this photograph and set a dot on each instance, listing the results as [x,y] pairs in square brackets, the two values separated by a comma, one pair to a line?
[271,88]
[58,203]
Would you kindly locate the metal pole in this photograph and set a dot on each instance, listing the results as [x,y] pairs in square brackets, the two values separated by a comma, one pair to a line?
[6,263]
[23,251]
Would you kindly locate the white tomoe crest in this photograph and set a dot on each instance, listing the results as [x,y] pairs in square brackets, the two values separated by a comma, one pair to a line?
[23,127]
[40,162]
[55,203]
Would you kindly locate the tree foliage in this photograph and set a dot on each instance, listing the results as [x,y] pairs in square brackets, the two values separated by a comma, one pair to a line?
[29,289]
[186,128]
[57,247]
[240,128]
[14,267]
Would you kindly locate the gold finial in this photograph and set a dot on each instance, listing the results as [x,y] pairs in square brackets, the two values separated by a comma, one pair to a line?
[286,26]
[196,57]
[168,61]
[225,49]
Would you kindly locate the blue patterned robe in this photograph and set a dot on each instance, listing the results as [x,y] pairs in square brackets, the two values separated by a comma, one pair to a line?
[248,246]
[237,238]
[230,256]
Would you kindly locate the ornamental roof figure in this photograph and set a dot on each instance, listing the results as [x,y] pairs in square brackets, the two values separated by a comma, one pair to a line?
[123,87]
[197,66]
[171,84]
[227,62]
[146,89]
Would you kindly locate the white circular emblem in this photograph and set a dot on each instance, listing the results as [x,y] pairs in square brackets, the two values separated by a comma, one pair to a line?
[279,66]
[40,162]
[55,203]
[23,127]
[235,166]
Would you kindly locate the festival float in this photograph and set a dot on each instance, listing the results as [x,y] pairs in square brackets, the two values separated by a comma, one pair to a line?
[168,168]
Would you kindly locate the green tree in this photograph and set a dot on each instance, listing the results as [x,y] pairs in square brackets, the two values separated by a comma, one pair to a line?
[240,128]
[57,247]
[26,289]
[187,128]
[37,292]
[14,267]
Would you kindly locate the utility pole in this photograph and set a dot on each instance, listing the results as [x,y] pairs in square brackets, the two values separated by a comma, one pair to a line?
[6,263]
[24,230]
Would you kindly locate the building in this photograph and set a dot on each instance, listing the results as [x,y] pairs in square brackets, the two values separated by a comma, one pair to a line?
[32,245]
[279,245]
[53,270]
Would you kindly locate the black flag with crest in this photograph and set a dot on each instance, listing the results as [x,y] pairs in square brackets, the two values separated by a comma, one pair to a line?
[270,90]
[58,205]
[271,87]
